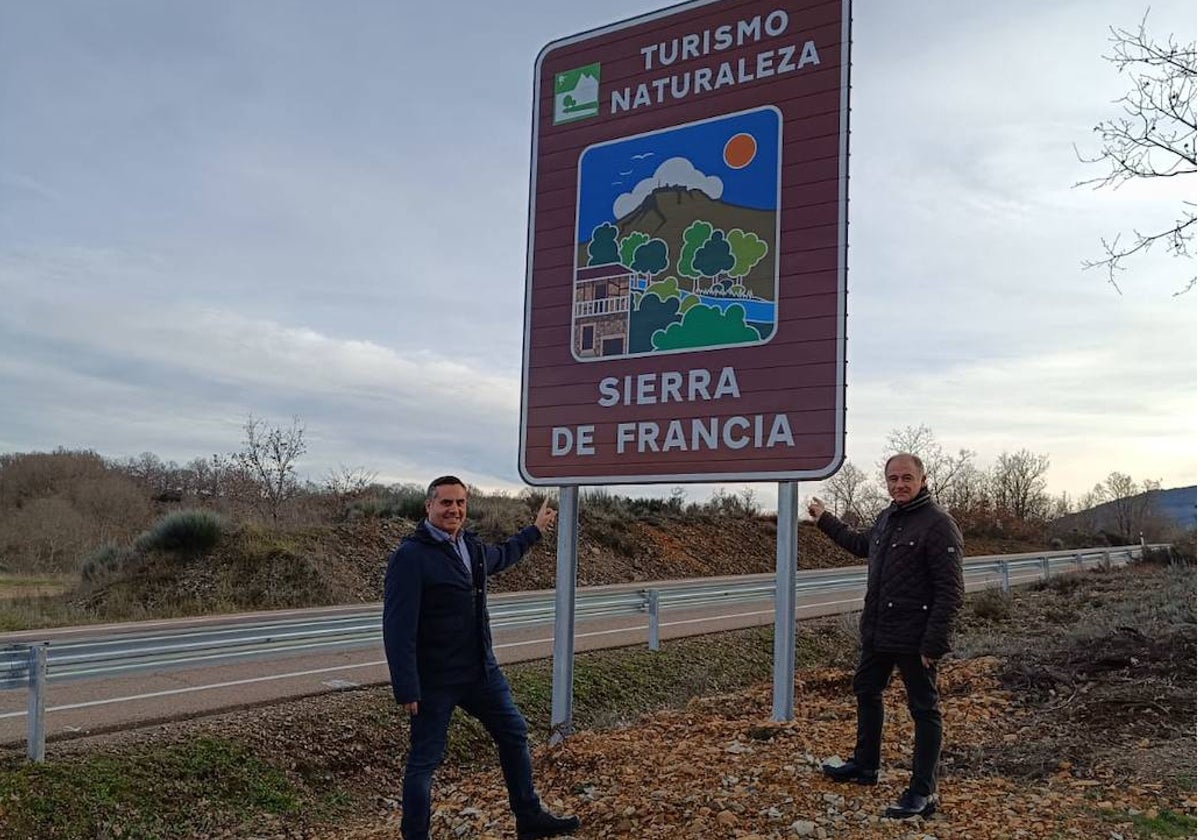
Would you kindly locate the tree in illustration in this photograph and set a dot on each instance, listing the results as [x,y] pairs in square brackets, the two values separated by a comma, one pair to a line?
[748,251]
[602,250]
[694,236]
[629,245]
[715,258]
[666,288]
[651,258]
[652,315]
[706,326]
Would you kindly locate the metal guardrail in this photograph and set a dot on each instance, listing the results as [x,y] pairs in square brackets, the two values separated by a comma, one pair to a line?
[33,665]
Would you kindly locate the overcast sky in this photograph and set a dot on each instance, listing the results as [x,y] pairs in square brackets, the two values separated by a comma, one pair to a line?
[212,209]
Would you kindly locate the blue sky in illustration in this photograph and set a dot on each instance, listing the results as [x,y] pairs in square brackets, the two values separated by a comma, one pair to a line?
[610,169]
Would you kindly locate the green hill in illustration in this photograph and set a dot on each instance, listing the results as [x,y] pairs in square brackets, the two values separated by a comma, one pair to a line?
[666,213]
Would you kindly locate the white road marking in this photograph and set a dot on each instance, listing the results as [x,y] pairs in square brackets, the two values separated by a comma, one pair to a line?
[230,684]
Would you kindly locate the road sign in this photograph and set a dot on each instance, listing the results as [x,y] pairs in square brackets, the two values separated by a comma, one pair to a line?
[685,282]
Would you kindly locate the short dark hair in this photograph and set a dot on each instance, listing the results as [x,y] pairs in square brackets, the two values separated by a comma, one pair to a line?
[442,481]
[915,460]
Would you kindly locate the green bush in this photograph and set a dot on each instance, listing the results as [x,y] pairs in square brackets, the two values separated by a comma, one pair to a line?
[104,563]
[188,533]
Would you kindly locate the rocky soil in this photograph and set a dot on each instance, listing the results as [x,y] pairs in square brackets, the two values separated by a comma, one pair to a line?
[717,769]
[1083,727]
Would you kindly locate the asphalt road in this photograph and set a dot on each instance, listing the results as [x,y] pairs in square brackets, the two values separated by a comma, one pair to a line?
[82,707]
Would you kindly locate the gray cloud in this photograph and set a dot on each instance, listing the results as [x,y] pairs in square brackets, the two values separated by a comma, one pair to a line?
[223,208]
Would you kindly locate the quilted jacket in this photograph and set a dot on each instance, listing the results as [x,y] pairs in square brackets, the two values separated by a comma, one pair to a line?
[914,575]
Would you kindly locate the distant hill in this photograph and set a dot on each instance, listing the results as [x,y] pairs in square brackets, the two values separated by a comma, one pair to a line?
[1176,506]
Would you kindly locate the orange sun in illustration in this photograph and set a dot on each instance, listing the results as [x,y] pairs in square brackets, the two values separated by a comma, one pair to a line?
[740,150]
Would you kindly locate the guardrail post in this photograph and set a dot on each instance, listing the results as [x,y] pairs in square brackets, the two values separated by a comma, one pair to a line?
[563,668]
[1005,585]
[1045,567]
[1079,562]
[37,702]
[788,519]
[1107,564]
[652,612]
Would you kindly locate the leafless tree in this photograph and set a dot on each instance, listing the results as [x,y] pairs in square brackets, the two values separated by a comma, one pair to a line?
[269,455]
[749,501]
[941,467]
[349,482]
[967,490]
[853,495]
[1154,137]
[1018,484]
[1132,504]
[1062,505]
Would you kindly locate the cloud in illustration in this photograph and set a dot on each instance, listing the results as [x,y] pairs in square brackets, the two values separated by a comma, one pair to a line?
[673,172]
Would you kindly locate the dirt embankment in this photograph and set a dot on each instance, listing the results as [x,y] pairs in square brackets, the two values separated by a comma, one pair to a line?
[345,563]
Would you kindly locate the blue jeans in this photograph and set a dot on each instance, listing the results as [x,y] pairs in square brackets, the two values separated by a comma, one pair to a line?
[489,701]
[920,684]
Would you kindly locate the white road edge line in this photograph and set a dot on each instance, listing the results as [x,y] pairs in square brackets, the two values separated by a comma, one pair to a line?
[377,663]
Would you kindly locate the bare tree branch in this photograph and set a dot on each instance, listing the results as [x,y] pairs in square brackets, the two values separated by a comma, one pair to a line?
[1154,138]
[269,455]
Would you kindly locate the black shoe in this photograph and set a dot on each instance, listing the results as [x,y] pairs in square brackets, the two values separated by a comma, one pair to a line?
[850,771]
[911,805]
[545,824]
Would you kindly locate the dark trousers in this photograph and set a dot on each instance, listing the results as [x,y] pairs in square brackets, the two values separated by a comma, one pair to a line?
[920,684]
[490,701]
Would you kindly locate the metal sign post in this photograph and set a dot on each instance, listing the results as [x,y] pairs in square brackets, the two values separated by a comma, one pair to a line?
[564,613]
[783,704]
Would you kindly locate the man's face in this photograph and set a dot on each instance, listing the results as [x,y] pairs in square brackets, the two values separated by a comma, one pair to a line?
[448,509]
[904,479]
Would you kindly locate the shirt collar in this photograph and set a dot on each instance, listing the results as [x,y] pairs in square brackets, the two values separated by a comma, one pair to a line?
[442,535]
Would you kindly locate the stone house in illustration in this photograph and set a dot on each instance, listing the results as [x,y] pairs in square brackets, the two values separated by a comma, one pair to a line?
[600,317]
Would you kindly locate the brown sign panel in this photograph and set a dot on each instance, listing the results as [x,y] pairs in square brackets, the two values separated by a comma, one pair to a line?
[685,285]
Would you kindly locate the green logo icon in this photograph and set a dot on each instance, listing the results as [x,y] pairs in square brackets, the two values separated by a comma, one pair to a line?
[577,94]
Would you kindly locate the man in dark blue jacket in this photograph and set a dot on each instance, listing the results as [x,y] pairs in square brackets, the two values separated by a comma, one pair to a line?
[438,642]
[914,591]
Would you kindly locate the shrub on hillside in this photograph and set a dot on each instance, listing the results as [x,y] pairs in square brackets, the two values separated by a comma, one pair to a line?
[189,533]
[496,517]
[992,604]
[1181,550]
[105,563]
[405,501]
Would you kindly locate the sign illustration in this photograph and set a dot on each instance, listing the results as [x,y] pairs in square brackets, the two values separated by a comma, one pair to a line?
[678,239]
[685,275]
[577,94]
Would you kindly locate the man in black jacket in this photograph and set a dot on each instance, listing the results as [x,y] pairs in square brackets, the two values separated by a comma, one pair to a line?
[914,590]
[438,642]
